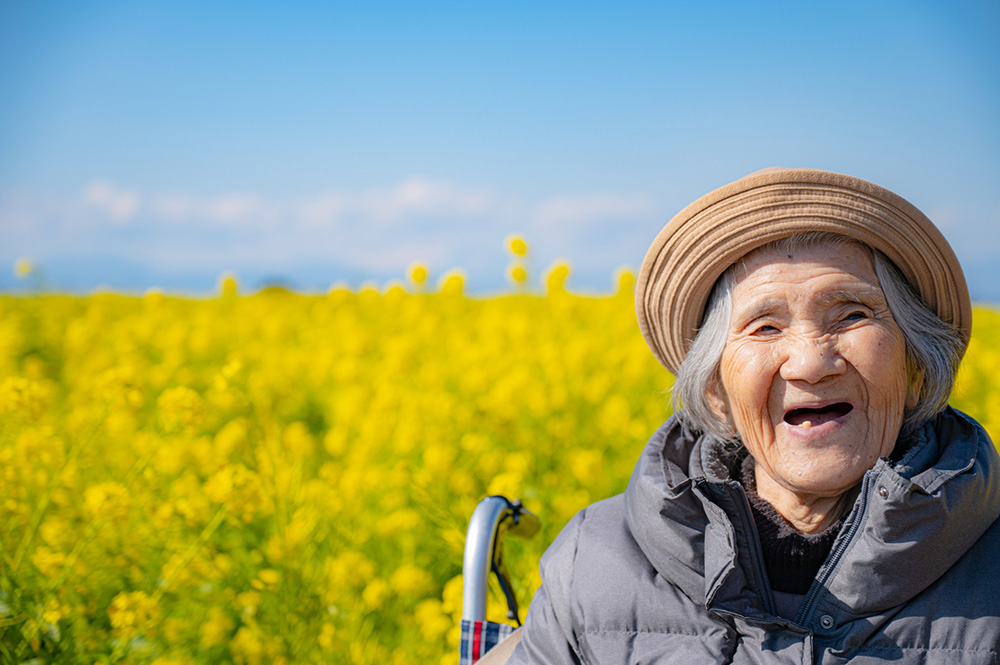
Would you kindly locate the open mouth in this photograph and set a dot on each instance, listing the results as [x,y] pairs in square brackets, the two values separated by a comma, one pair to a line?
[811,417]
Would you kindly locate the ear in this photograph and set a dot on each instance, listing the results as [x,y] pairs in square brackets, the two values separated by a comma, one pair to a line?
[718,401]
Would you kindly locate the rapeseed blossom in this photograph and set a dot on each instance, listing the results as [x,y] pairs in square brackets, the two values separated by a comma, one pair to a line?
[417,272]
[228,286]
[216,629]
[517,273]
[133,613]
[279,478]
[555,278]
[517,246]
[452,282]
[23,267]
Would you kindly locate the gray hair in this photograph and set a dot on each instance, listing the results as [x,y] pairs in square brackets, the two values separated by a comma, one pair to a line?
[933,347]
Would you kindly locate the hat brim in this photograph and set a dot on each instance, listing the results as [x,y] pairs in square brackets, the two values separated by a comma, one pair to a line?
[693,250]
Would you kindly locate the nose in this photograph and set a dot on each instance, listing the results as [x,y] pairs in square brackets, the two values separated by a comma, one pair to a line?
[811,360]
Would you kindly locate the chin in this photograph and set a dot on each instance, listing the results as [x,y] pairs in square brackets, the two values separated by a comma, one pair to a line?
[826,479]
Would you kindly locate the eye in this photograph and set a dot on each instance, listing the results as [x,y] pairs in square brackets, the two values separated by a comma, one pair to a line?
[765,329]
[856,315]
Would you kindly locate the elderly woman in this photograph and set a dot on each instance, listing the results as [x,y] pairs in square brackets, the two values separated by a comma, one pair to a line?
[814,499]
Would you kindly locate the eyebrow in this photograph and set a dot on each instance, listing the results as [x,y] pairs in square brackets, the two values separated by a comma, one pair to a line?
[865,295]
[759,309]
[869,296]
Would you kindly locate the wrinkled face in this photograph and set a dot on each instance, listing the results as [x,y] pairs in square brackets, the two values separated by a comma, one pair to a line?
[814,369]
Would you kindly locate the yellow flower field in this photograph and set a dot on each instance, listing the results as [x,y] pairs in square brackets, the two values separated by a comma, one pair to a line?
[281,478]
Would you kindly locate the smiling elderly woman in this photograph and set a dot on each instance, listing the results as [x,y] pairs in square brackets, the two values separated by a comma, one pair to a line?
[814,499]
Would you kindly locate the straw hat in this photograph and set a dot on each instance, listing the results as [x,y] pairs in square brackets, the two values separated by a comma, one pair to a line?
[711,234]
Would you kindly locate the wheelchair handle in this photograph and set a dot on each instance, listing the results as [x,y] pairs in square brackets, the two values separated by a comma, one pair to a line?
[494,517]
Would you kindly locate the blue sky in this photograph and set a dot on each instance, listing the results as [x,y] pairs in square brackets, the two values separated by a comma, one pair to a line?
[162,143]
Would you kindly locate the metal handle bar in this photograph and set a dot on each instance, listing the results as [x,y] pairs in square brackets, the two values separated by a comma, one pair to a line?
[494,517]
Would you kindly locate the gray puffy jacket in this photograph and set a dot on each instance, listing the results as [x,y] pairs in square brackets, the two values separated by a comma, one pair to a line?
[671,571]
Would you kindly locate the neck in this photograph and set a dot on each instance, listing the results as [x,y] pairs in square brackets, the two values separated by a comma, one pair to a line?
[806,513]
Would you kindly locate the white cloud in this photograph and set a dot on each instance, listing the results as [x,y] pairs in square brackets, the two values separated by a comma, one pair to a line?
[232,207]
[386,259]
[173,207]
[226,209]
[119,204]
[565,209]
[324,210]
[419,196]
[410,198]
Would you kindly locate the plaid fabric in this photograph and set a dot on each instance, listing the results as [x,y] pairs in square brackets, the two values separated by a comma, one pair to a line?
[478,637]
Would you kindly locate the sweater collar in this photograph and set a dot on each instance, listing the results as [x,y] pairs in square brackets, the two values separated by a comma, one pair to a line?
[792,559]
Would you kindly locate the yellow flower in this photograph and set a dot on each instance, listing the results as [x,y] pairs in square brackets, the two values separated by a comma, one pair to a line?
[517,273]
[54,611]
[108,501]
[180,407]
[452,282]
[228,286]
[517,246]
[133,613]
[397,522]
[375,593]
[339,291]
[625,281]
[451,597]
[297,441]
[585,465]
[393,289]
[247,648]
[555,277]
[48,562]
[232,436]
[410,580]
[432,619]
[173,628]
[301,526]
[269,577]
[23,267]
[349,569]
[22,395]
[417,272]
[46,451]
[216,628]
[507,483]
[326,636]
[190,500]
[248,602]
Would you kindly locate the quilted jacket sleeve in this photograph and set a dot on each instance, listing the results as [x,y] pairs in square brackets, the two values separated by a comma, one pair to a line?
[547,637]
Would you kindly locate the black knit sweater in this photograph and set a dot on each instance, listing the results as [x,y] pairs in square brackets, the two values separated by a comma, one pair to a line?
[792,559]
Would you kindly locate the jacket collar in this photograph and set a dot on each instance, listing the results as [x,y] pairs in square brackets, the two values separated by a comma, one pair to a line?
[923,514]
[918,515]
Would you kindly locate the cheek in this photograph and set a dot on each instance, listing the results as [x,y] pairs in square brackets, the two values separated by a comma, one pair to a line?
[747,378]
[881,361]
[745,362]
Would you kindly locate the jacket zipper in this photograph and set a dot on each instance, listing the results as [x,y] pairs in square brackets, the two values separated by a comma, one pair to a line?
[757,554]
[807,605]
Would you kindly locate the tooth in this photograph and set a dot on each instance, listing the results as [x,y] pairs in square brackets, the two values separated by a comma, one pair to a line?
[807,423]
